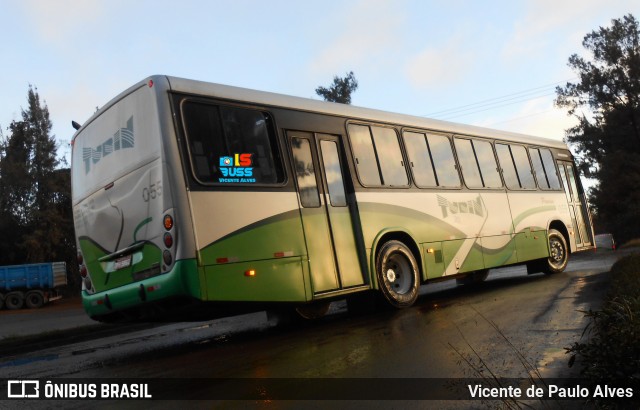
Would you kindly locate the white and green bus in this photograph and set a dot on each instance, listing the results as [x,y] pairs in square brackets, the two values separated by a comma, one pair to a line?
[188,193]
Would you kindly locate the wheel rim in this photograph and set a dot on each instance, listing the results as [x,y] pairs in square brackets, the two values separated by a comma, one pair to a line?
[558,253]
[398,274]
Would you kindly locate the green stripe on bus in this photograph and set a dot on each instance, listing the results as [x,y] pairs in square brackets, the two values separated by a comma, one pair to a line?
[264,239]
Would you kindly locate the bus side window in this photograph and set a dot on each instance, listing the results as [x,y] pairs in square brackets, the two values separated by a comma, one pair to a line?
[420,159]
[515,165]
[550,168]
[487,163]
[508,166]
[365,156]
[389,157]
[545,168]
[443,161]
[377,156]
[523,166]
[468,163]
[538,168]
[231,145]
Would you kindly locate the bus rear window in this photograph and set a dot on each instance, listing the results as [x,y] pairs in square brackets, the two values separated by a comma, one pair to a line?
[231,145]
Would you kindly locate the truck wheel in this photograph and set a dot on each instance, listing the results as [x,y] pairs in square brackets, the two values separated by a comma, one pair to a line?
[1,300]
[398,274]
[34,299]
[14,300]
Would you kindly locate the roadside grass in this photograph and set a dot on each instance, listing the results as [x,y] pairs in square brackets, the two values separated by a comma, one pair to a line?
[611,354]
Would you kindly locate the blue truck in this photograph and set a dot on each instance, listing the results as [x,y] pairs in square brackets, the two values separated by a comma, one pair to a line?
[31,285]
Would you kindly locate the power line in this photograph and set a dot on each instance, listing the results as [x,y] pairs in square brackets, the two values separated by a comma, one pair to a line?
[519,118]
[491,101]
[493,106]
[497,102]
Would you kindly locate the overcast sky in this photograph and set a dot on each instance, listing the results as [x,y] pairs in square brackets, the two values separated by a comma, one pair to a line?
[488,63]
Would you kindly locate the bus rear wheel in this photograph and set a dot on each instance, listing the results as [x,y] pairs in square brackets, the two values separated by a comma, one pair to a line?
[473,278]
[314,310]
[398,274]
[558,253]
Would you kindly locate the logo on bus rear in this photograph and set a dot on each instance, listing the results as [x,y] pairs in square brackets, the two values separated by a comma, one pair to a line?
[122,139]
[237,169]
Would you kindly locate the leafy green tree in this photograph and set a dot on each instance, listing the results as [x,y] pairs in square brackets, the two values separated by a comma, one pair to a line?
[606,102]
[341,89]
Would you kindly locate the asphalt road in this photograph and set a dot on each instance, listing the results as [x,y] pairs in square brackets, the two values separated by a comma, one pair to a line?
[502,326]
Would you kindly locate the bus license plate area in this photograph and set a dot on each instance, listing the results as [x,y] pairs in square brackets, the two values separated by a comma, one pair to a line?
[122,263]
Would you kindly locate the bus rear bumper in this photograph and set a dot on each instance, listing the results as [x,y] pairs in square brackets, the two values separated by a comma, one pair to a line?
[180,282]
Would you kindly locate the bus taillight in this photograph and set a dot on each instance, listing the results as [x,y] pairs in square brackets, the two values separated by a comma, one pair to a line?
[168,222]
[167,258]
[168,240]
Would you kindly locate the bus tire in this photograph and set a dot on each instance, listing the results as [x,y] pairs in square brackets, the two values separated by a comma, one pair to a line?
[558,253]
[313,310]
[473,278]
[290,315]
[398,274]
[34,299]
[1,300]
[109,318]
[14,300]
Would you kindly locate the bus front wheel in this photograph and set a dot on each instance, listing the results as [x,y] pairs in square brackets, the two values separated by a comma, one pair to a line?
[398,274]
[558,253]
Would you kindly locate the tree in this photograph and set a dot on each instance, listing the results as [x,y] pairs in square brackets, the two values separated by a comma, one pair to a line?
[606,102]
[35,195]
[341,89]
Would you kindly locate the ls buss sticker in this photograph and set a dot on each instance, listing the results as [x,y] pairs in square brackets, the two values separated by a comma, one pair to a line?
[237,169]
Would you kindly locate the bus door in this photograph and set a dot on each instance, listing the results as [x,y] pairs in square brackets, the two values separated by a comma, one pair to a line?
[577,204]
[325,209]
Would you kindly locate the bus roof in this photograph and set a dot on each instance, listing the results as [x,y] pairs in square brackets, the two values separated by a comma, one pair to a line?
[240,94]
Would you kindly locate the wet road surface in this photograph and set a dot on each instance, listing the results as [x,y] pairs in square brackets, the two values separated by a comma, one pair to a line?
[450,330]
